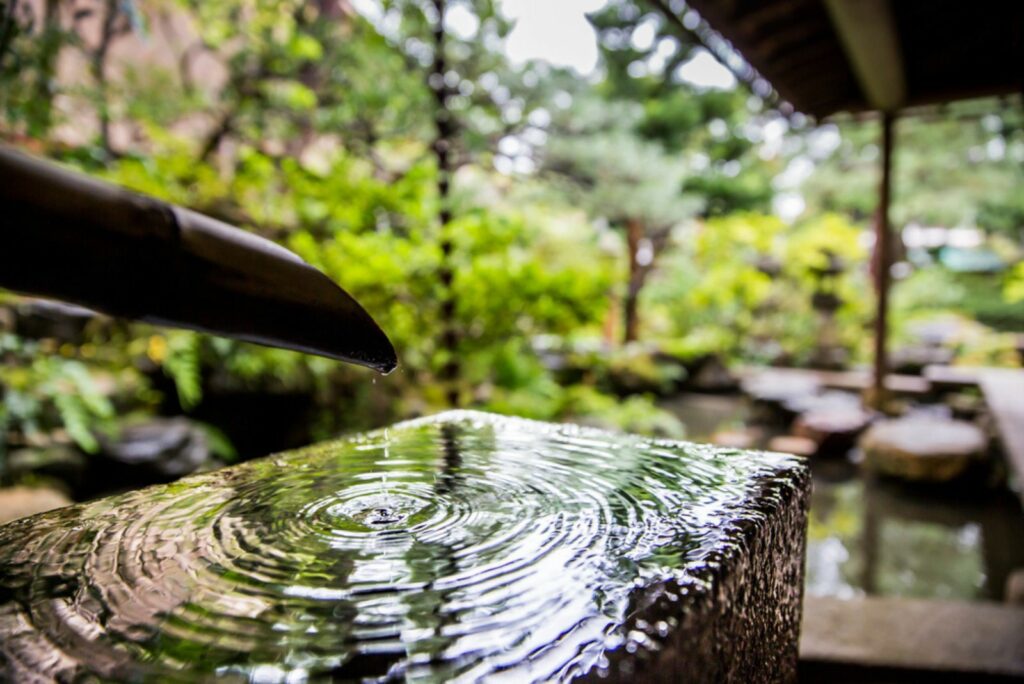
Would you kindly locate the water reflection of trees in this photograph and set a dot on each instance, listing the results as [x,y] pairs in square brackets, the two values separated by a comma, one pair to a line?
[879,536]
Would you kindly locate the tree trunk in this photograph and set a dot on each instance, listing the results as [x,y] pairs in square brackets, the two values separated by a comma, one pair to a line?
[99,73]
[637,275]
[49,43]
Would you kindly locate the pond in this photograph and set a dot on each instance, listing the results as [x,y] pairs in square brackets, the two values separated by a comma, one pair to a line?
[874,536]
[885,537]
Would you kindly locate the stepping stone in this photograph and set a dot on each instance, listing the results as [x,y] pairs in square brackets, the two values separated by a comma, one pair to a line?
[833,425]
[772,392]
[710,374]
[923,447]
[951,378]
[778,387]
[464,546]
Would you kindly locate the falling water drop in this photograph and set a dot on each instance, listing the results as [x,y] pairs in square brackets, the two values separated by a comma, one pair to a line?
[384,470]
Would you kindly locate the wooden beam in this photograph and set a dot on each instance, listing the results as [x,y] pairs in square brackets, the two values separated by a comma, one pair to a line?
[867,31]
[754,20]
[713,14]
[796,34]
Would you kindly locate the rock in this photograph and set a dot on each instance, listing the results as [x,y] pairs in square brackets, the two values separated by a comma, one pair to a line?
[171,447]
[945,378]
[1015,587]
[44,319]
[966,405]
[158,450]
[19,502]
[828,401]
[833,427]
[710,374]
[923,447]
[772,393]
[830,357]
[780,386]
[460,546]
[793,444]
[63,463]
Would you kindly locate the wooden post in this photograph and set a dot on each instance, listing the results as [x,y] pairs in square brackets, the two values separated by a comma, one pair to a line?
[883,258]
[631,303]
[445,125]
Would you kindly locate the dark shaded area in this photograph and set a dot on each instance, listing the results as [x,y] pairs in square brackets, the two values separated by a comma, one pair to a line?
[950,50]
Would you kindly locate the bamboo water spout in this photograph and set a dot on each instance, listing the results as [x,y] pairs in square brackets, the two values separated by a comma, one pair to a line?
[71,237]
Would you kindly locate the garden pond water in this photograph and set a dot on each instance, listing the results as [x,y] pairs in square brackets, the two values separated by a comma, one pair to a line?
[871,536]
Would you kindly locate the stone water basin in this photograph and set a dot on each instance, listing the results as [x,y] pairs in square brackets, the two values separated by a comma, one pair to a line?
[464,547]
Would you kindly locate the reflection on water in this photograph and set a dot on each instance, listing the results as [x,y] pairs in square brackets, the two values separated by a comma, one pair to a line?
[440,549]
[871,536]
[885,537]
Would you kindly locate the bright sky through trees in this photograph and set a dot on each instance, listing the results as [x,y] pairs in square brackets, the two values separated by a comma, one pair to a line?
[559,33]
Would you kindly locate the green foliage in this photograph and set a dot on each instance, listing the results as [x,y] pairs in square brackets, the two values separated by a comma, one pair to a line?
[44,391]
[27,67]
[706,124]
[934,294]
[742,285]
[618,177]
[220,445]
[928,289]
[961,169]
[984,299]
[636,414]
[1013,290]
[316,129]
[181,363]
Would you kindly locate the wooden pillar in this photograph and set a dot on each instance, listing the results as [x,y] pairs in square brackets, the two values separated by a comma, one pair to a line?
[883,262]
[445,125]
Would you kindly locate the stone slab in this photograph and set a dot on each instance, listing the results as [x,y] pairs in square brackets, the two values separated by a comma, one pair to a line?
[912,639]
[1004,393]
[461,547]
[853,380]
[945,378]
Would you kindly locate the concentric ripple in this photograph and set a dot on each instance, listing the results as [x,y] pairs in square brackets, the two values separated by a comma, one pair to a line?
[463,546]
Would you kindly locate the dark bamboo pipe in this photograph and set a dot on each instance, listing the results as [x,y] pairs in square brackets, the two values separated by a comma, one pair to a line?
[71,237]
